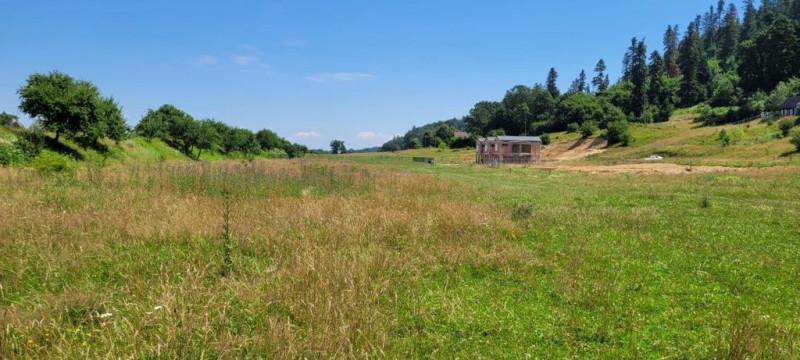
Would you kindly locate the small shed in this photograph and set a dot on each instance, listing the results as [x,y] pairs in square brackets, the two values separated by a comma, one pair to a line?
[460,134]
[789,108]
[508,150]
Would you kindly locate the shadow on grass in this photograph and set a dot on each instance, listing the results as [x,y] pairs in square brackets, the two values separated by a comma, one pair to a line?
[789,153]
[60,148]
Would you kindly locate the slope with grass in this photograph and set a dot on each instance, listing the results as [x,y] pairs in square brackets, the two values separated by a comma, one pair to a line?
[680,141]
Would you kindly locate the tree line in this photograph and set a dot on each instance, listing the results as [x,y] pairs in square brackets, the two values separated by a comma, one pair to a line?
[76,109]
[744,64]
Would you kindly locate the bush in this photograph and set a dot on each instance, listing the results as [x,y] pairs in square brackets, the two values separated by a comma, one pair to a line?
[545,139]
[796,141]
[573,127]
[10,155]
[588,129]
[617,133]
[54,163]
[786,125]
[724,137]
[30,143]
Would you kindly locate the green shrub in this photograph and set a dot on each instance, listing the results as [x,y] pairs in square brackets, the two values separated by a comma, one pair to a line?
[573,127]
[30,143]
[796,141]
[785,126]
[588,128]
[724,137]
[52,162]
[545,139]
[10,155]
[617,133]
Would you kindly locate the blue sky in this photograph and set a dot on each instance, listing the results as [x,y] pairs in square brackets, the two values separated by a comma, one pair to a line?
[314,71]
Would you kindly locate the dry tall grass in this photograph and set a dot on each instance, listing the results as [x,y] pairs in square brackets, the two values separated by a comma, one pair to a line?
[323,253]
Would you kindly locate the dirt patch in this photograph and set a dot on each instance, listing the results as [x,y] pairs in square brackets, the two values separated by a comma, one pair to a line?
[574,150]
[659,168]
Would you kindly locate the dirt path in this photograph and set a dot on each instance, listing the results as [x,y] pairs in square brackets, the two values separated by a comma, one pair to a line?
[574,151]
[656,168]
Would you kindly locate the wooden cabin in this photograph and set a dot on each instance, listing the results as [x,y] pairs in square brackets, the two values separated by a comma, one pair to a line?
[497,150]
[789,107]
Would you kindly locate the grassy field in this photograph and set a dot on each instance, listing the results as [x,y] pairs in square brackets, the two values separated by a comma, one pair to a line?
[400,260]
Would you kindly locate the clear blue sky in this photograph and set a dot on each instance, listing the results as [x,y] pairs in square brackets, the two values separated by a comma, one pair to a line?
[314,71]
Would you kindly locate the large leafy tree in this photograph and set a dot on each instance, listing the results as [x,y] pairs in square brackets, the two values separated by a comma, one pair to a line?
[9,120]
[481,115]
[337,147]
[205,136]
[68,107]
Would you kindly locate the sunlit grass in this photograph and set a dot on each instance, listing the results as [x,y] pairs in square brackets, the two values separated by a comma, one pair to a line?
[334,259]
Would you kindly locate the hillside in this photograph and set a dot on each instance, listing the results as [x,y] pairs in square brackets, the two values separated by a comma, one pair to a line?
[67,155]
[681,141]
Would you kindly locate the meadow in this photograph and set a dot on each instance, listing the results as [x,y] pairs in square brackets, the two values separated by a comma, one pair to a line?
[332,259]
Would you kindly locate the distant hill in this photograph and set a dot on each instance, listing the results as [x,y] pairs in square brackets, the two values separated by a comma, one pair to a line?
[404,142]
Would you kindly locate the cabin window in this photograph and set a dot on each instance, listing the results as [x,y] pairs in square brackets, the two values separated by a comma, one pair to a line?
[526,149]
[515,148]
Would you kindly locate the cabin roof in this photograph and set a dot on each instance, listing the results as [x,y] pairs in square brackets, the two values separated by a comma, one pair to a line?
[791,103]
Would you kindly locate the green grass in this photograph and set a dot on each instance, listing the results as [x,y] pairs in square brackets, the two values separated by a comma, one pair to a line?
[400,260]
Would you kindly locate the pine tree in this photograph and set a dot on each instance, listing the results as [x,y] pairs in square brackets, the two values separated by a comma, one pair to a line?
[639,79]
[710,32]
[690,59]
[729,34]
[671,51]
[599,81]
[627,60]
[579,84]
[552,87]
[766,14]
[750,22]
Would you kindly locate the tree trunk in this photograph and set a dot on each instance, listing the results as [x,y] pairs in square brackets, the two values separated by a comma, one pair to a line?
[58,135]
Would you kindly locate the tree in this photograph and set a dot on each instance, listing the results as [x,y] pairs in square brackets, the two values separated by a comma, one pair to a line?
[671,51]
[62,105]
[9,120]
[416,144]
[552,86]
[579,84]
[770,58]
[109,110]
[729,34]
[481,115]
[337,147]
[690,62]
[600,81]
[638,77]
[627,60]
[181,128]
[269,140]
[445,133]
[750,24]
[205,137]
